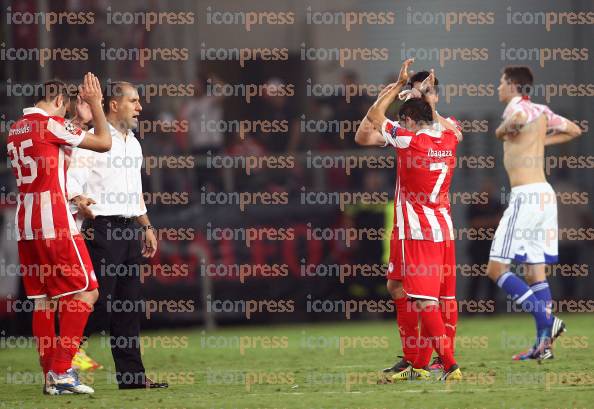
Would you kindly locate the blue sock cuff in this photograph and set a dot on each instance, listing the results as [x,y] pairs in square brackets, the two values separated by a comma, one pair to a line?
[541,285]
[503,277]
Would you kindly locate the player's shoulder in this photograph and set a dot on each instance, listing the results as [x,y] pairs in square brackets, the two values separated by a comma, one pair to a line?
[448,132]
[450,136]
[429,138]
[406,132]
[396,130]
[454,121]
[20,123]
[390,126]
[58,125]
[58,119]
[529,104]
[26,127]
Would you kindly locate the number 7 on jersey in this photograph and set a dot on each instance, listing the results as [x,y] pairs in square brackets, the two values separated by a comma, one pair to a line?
[441,166]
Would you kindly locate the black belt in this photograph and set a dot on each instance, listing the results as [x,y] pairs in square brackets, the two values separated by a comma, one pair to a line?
[117,219]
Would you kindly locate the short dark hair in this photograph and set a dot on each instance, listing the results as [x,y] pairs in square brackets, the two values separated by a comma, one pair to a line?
[521,77]
[416,109]
[420,77]
[51,89]
[114,90]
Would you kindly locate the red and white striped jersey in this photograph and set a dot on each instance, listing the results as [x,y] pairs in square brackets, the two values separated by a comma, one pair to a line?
[425,164]
[450,119]
[37,148]
[523,104]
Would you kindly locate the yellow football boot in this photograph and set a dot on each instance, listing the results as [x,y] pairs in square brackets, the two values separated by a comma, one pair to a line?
[83,362]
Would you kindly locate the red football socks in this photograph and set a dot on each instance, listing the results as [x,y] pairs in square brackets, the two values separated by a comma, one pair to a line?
[408,326]
[73,318]
[44,331]
[449,315]
[434,333]
[425,349]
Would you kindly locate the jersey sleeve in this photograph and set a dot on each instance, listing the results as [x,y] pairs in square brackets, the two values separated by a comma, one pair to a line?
[63,132]
[511,110]
[395,135]
[452,135]
[555,123]
[454,122]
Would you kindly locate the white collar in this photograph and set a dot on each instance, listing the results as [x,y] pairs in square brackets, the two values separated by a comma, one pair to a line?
[510,105]
[431,132]
[114,132]
[34,110]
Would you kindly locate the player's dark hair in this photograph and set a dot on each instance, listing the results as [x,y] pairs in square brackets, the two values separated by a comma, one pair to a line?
[416,109]
[114,90]
[51,89]
[521,77]
[420,77]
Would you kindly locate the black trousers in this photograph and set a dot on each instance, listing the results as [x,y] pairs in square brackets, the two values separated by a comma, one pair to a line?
[115,249]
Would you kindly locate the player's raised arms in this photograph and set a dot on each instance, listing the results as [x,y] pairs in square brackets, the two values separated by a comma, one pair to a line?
[571,131]
[369,132]
[428,85]
[90,92]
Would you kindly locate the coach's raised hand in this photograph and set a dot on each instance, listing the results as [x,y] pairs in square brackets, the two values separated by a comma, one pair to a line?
[90,92]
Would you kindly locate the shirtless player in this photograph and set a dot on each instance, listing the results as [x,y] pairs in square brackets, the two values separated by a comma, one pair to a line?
[527,232]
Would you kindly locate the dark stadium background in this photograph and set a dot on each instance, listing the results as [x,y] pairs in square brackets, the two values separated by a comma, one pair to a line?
[480,114]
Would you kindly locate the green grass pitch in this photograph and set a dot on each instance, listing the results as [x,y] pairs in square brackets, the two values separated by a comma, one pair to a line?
[325,365]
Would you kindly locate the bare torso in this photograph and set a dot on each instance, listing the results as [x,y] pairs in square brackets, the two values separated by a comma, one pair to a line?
[523,154]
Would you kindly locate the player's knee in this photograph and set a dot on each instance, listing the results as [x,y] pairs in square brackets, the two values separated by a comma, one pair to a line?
[535,273]
[496,270]
[395,289]
[90,297]
[93,296]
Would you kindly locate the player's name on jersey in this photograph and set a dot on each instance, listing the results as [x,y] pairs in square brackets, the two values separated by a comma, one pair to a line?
[19,131]
[439,154]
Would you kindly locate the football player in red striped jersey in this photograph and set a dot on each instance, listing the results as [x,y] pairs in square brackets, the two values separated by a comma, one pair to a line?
[422,246]
[56,267]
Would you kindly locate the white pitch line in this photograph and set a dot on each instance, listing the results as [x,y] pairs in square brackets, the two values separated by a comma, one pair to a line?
[417,391]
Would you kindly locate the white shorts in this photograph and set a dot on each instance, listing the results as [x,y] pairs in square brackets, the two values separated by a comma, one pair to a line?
[527,232]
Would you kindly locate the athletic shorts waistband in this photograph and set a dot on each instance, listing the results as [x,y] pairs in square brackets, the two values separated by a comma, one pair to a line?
[533,187]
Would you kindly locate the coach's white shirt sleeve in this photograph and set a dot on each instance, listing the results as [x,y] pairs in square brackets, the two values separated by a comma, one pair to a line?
[113,180]
[78,172]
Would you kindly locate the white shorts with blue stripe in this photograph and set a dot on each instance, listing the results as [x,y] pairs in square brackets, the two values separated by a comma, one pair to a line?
[528,232]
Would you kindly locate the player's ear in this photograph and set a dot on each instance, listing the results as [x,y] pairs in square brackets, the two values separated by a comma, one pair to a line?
[59,101]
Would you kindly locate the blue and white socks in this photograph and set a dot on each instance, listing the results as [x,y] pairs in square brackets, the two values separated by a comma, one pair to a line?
[542,292]
[524,296]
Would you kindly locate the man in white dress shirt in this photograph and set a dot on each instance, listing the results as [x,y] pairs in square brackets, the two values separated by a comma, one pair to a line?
[107,191]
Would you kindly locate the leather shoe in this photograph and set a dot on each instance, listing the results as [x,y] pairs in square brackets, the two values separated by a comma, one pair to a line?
[148,384]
